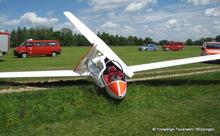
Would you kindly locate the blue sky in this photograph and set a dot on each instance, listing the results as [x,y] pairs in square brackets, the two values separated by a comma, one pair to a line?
[159,19]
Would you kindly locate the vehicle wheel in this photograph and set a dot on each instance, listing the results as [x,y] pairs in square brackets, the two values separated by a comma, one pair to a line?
[24,55]
[53,54]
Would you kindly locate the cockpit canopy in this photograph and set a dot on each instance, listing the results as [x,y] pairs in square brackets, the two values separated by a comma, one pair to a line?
[103,70]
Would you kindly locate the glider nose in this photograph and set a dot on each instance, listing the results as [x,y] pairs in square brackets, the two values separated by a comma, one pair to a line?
[117,89]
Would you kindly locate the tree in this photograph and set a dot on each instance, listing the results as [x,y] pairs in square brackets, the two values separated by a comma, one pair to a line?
[198,42]
[189,42]
[217,38]
[162,42]
[67,38]
[148,40]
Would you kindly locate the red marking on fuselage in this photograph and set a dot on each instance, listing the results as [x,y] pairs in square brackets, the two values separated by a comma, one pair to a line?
[118,88]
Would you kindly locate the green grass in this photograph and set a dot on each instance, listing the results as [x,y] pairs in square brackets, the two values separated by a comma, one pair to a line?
[187,102]
[70,57]
[78,107]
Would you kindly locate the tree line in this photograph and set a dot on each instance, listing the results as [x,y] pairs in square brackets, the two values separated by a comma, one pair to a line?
[199,42]
[66,37]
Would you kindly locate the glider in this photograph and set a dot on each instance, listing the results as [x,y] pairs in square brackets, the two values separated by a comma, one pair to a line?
[103,65]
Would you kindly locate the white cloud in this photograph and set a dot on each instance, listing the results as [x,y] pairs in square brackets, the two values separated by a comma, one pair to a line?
[135,6]
[31,18]
[129,30]
[172,23]
[199,29]
[198,2]
[66,25]
[12,22]
[109,24]
[122,5]
[97,5]
[114,28]
[150,10]
[2,18]
[216,22]
[138,5]
[185,22]
[215,12]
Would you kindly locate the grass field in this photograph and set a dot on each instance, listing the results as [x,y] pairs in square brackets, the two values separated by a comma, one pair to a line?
[78,107]
[71,56]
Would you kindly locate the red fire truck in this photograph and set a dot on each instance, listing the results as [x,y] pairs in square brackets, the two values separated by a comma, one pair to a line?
[4,42]
[173,46]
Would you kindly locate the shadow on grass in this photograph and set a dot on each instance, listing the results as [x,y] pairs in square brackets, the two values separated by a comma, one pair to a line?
[83,83]
[176,82]
[212,62]
[101,91]
[47,84]
[86,82]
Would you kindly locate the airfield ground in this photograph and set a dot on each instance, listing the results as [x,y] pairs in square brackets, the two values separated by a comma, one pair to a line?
[69,106]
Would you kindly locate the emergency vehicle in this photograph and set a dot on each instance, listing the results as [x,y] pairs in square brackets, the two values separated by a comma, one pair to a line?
[4,42]
[37,48]
[173,46]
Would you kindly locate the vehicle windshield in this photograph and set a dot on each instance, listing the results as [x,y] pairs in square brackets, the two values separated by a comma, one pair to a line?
[213,46]
[23,44]
[146,45]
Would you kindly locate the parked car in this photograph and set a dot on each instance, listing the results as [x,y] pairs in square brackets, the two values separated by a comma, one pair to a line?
[38,47]
[173,46]
[148,47]
[209,48]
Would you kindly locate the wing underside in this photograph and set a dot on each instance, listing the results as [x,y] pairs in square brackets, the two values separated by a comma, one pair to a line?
[164,64]
[55,73]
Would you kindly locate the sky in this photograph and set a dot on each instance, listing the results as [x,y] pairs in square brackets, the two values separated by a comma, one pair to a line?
[158,19]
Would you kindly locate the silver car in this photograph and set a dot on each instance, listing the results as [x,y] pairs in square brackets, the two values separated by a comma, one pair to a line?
[148,47]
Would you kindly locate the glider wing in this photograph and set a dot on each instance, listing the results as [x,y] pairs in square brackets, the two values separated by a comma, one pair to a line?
[101,46]
[164,64]
[55,73]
